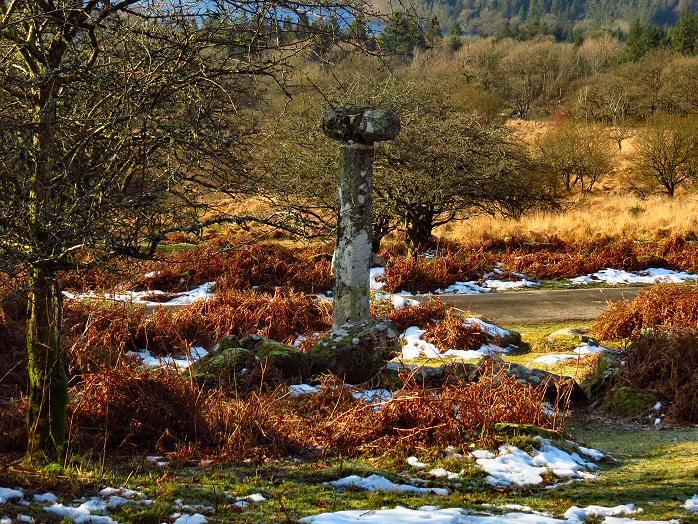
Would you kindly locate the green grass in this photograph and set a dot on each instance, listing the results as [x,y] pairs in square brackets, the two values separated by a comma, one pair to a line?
[658,470]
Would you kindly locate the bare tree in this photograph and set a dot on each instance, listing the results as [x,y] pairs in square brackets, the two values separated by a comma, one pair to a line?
[576,155]
[121,121]
[444,165]
[666,155]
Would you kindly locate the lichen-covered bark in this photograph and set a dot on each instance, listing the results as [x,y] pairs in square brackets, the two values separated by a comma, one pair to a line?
[353,250]
[48,382]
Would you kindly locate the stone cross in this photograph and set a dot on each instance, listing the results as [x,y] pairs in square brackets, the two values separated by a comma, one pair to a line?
[357,128]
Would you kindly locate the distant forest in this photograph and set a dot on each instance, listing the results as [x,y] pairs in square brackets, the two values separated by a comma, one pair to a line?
[499,17]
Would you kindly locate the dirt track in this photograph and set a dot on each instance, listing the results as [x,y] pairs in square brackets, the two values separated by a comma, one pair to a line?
[523,307]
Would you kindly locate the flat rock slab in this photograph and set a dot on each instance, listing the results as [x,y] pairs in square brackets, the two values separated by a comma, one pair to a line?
[553,305]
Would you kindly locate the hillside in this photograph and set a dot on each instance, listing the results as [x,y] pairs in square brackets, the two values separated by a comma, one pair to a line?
[500,16]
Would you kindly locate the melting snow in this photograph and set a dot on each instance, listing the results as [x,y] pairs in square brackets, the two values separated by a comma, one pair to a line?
[254,498]
[376,275]
[433,515]
[378,483]
[195,354]
[648,276]
[692,504]
[196,518]
[202,292]
[8,494]
[513,466]
[414,347]
[582,514]
[301,390]
[582,350]
[45,498]
[416,463]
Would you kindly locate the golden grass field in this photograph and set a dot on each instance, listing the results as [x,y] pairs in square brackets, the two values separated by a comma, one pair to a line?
[593,217]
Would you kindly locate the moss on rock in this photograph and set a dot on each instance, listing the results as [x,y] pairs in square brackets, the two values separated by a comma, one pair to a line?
[358,352]
[626,402]
[227,361]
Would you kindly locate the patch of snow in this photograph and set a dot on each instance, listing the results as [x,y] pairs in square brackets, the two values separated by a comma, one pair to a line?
[301,390]
[434,515]
[45,498]
[451,453]
[196,508]
[8,494]
[648,276]
[505,285]
[83,513]
[156,459]
[692,504]
[202,292]
[373,396]
[25,518]
[592,453]
[414,347]
[487,286]
[582,514]
[5,520]
[390,516]
[195,354]
[582,350]
[482,454]
[378,483]
[416,463]
[196,518]
[443,473]
[376,274]
[658,406]
[513,466]
[463,288]
[122,492]
[488,328]
[254,498]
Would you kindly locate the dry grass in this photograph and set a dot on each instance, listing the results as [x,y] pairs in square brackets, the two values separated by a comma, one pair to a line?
[422,315]
[419,274]
[235,263]
[664,305]
[126,408]
[454,333]
[98,336]
[558,259]
[599,217]
[665,363]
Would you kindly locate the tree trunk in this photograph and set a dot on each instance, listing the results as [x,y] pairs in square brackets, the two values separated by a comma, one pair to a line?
[381,227]
[418,227]
[48,381]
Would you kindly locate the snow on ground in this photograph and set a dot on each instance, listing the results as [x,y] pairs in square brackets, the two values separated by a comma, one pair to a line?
[195,354]
[648,276]
[8,494]
[94,510]
[196,518]
[414,347]
[376,275]
[515,467]
[375,397]
[254,498]
[486,286]
[434,515]
[582,514]
[144,298]
[692,504]
[582,350]
[378,483]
